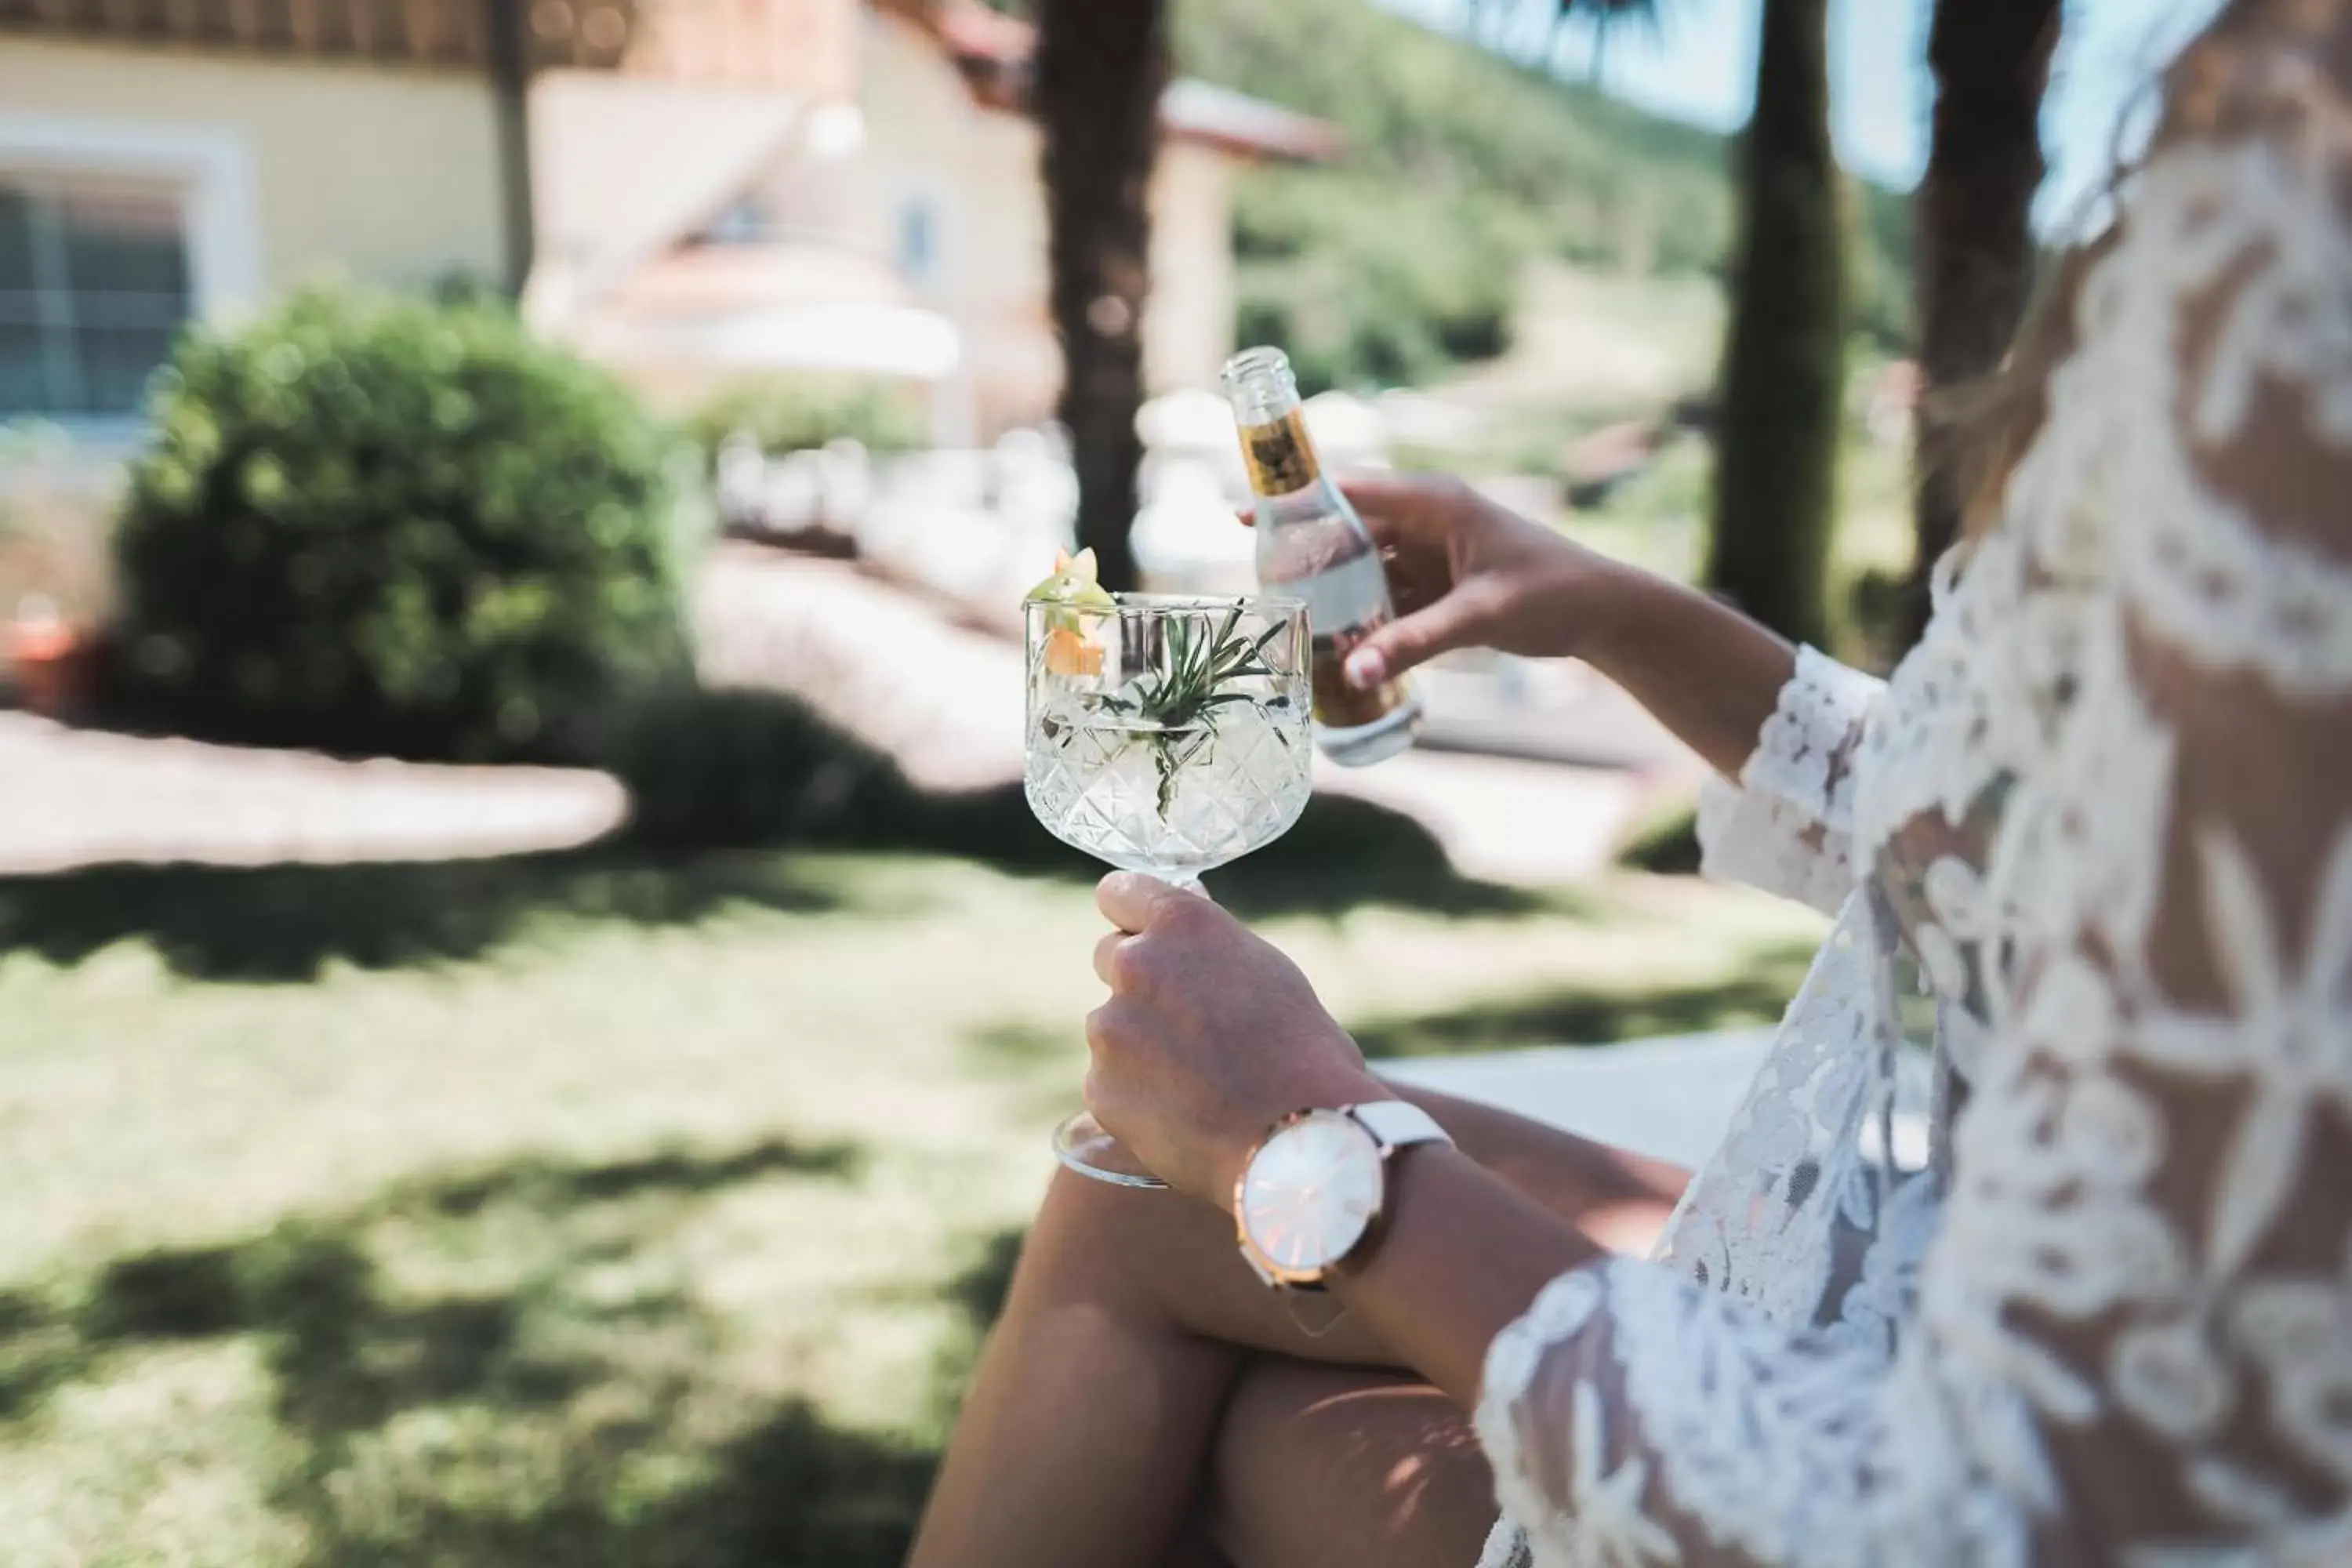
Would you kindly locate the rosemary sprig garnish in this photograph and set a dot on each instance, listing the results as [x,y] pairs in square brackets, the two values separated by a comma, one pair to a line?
[1185,696]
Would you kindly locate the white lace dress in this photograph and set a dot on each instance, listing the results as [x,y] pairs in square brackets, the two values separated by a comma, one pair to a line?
[2090,856]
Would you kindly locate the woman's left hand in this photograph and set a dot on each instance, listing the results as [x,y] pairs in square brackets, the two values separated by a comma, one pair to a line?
[1209,1035]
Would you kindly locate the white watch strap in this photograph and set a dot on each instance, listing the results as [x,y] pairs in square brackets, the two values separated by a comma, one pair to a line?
[1398,1123]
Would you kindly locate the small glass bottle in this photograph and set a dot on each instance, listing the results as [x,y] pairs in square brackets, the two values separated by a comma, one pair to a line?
[1312,546]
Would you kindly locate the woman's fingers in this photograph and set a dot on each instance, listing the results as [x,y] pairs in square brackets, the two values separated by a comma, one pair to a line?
[1451,622]
[1391,504]
[1130,899]
[1127,898]
[1386,490]
[1106,957]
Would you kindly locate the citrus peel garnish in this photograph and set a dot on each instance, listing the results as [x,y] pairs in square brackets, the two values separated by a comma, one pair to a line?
[1069,593]
[1069,653]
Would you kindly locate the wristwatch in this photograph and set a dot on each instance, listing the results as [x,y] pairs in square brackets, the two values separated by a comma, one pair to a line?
[1314,1192]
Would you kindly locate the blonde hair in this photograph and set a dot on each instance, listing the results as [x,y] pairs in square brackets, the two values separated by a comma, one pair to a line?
[1982,428]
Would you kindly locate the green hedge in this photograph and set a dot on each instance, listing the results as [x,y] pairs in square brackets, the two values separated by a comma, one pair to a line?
[388,524]
[1364,283]
[1666,841]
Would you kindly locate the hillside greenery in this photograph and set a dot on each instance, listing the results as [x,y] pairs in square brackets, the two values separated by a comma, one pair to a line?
[1460,165]
[1403,257]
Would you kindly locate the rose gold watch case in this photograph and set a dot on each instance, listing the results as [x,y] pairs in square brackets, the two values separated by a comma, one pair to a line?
[1281,1277]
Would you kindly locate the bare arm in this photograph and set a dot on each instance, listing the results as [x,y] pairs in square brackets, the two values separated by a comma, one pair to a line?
[1703,669]
[1463,1256]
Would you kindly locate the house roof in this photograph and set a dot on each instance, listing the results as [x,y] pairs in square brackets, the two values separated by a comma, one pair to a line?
[995,51]
[1207,112]
[969,28]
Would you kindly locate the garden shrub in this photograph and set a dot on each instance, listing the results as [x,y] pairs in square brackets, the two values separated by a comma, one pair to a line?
[390,524]
[1665,841]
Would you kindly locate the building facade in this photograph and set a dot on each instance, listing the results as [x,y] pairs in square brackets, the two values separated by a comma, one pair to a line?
[696,191]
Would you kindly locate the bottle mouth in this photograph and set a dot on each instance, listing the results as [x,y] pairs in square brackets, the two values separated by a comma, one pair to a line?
[1257,364]
[1260,386]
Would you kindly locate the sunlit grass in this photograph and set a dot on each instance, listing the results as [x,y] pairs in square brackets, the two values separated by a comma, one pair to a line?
[653,1223]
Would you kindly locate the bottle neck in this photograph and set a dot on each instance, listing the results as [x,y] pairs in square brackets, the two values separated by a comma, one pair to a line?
[1278,452]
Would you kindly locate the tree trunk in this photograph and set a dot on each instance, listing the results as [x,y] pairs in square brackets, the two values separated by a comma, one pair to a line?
[1784,355]
[1991,61]
[1101,66]
[511,95]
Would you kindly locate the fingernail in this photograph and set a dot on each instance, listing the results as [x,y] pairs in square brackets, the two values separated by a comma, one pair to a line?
[1367,667]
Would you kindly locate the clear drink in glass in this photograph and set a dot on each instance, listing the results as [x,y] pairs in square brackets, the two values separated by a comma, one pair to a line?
[1169,736]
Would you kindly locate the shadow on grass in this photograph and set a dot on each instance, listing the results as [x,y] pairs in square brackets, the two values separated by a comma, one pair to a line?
[1341,854]
[38,1351]
[282,922]
[739,768]
[309,1269]
[1021,1042]
[1594,1015]
[979,1291]
[540,1422]
[546,1184]
[344,1358]
[706,770]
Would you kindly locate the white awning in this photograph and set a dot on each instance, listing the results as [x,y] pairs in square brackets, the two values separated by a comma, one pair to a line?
[869,339]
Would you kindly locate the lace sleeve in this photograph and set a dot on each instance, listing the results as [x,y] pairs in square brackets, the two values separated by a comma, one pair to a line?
[1786,826]
[2130,1338]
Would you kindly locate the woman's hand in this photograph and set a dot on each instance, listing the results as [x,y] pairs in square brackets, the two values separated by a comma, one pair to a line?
[1465,572]
[1209,1035]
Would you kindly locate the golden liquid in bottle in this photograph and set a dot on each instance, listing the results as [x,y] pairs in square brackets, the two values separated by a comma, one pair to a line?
[1338,705]
[1280,457]
[1313,546]
[1281,463]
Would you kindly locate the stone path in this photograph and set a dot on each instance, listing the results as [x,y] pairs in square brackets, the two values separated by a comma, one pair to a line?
[881,663]
[78,797]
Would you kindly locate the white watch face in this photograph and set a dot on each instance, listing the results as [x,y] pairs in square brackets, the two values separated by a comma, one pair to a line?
[1311,1191]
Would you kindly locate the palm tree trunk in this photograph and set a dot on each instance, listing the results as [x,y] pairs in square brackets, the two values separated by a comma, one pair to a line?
[1101,66]
[511,93]
[1991,61]
[1784,356]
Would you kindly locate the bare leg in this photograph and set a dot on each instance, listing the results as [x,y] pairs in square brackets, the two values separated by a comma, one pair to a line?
[1325,1465]
[1087,1427]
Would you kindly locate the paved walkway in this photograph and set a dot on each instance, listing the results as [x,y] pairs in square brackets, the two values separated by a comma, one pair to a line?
[78,797]
[882,663]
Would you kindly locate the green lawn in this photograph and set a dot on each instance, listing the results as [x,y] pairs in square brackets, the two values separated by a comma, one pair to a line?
[604,1209]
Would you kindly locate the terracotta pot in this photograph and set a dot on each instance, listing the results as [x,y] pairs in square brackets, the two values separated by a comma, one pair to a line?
[55,662]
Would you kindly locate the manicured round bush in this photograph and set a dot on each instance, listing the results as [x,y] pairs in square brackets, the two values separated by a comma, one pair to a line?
[382,523]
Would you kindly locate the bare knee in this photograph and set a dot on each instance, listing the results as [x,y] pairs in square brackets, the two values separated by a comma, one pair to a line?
[1119,1245]
[1318,1464]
